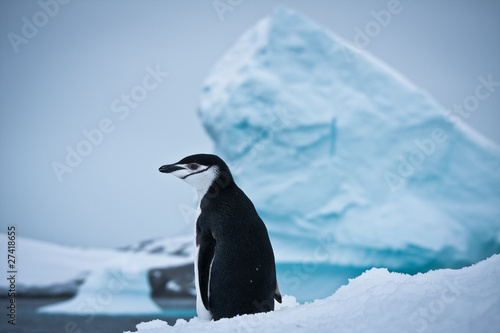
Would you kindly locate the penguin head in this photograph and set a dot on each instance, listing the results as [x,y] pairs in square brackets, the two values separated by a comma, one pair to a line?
[200,171]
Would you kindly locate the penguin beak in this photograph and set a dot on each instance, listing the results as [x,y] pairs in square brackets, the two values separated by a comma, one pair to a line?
[170,168]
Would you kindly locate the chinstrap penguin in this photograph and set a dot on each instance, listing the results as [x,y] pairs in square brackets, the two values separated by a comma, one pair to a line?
[235,272]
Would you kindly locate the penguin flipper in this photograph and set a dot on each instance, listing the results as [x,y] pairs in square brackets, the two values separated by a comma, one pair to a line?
[277,294]
[205,258]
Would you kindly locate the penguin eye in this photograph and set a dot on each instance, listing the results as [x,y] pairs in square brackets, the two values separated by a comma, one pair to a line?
[193,166]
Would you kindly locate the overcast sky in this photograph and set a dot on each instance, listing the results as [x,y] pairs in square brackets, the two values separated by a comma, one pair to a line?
[68,76]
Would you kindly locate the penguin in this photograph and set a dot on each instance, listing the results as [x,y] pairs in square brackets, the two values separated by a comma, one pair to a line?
[234,266]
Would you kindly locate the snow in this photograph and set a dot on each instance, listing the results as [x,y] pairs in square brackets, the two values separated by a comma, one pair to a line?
[445,300]
[331,144]
[351,167]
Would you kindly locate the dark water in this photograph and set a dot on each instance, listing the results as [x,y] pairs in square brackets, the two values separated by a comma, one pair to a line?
[29,321]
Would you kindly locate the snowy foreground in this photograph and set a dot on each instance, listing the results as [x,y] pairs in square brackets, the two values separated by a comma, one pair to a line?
[465,300]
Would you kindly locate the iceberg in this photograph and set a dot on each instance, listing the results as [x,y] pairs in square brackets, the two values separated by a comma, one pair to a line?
[42,276]
[349,165]
[445,300]
[122,283]
[107,281]
[117,287]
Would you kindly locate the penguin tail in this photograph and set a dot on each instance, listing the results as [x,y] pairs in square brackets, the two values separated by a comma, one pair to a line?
[277,294]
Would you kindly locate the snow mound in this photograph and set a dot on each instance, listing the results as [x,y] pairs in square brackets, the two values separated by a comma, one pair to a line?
[465,300]
[333,146]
